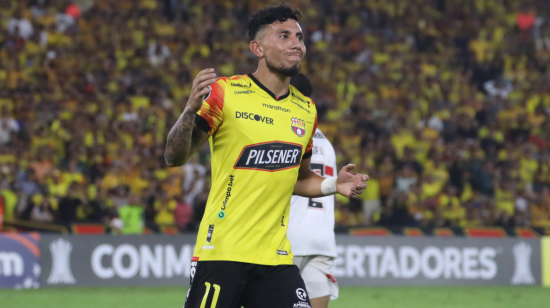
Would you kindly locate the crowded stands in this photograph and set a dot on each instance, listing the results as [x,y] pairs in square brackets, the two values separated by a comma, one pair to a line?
[445,104]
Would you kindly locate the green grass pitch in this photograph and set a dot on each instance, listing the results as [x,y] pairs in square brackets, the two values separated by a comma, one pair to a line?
[350,297]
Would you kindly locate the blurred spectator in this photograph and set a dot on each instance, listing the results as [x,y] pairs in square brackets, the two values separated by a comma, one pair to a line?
[115,225]
[8,126]
[540,211]
[71,206]
[395,211]
[409,160]
[449,204]
[195,188]
[29,183]
[183,213]
[525,19]
[191,176]
[405,179]
[521,207]
[199,206]
[20,26]
[131,216]
[44,208]
[164,210]
[158,54]
[498,88]
[482,178]
[371,197]
[9,198]
[386,175]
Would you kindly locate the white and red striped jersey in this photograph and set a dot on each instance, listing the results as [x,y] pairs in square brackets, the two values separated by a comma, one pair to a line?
[311,225]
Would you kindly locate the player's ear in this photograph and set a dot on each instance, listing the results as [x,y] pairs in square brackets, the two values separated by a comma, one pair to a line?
[256,48]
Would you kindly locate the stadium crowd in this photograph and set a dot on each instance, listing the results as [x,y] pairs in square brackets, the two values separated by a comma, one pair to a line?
[445,104]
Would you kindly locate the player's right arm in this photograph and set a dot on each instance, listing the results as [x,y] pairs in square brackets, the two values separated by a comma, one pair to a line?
[185,137]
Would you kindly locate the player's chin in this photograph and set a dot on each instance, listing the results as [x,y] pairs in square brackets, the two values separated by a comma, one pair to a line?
[296,63]
[293,69]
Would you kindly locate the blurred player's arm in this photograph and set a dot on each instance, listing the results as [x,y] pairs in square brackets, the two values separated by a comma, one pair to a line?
[348,183]
[185,137]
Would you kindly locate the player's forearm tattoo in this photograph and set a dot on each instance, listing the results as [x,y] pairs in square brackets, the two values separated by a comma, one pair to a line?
[179,143]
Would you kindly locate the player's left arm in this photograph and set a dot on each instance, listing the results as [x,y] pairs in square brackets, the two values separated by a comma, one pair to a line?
[347,183]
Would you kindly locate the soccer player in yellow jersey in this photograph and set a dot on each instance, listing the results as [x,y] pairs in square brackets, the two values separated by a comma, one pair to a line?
[260,132]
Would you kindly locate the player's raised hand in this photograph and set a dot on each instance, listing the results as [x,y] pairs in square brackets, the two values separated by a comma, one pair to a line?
[200,88]
[349,183]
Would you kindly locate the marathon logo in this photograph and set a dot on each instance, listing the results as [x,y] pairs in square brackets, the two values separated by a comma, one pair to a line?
[253,117]
[241,85]
[244,92]
[270,156]
[278,108]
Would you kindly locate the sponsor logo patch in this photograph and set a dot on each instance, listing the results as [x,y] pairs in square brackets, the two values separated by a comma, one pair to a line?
[253,117]
[210,232]
[301,100]
[208,95]
[244,92]
[270,156]
[301,293]
[241,85]
[300,106]
[228,193]
[316,204]
[298,127]
[282,252]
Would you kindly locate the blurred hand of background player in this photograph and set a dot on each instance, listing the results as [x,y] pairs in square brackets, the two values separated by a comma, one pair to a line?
[200,88]
[349,183]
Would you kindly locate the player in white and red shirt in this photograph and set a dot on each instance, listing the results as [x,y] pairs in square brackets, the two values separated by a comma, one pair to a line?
[311,224]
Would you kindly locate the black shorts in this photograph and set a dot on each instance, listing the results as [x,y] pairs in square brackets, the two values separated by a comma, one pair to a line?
[227,284]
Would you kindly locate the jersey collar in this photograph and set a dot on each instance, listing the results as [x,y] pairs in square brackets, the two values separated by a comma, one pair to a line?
[259,84]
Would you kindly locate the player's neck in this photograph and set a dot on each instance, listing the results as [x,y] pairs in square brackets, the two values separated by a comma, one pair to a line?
[278,85]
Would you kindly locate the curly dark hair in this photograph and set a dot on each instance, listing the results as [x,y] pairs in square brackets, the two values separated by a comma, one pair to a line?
[268,15]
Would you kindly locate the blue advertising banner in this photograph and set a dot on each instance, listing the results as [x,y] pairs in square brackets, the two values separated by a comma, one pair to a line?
[19,260]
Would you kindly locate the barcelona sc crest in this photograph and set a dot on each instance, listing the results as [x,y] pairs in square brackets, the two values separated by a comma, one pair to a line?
[299,127]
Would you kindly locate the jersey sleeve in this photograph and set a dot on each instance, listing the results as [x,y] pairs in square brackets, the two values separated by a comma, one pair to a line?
[309,149]
[210,116]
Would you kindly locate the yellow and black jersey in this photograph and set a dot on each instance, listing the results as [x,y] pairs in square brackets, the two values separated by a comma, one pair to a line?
[257,141]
